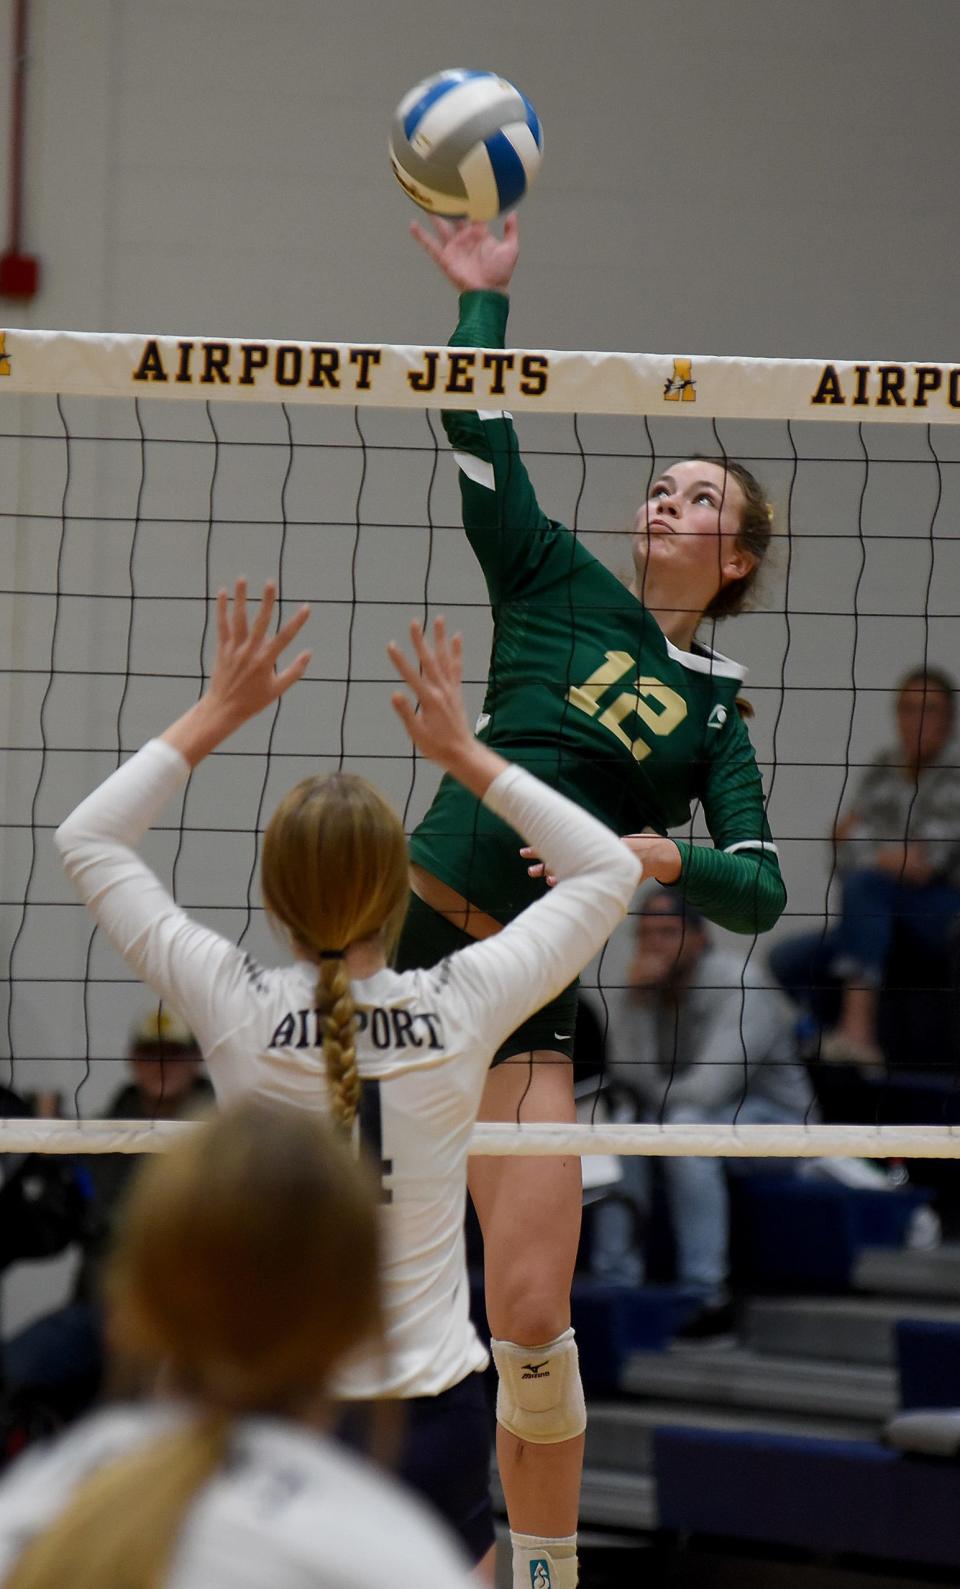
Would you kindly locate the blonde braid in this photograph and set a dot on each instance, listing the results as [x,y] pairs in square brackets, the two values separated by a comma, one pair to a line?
[338,1019]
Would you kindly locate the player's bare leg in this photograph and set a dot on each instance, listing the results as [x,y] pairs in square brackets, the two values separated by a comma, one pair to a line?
[485,1572]
[529,1211]
[855,1036]
[858,1014]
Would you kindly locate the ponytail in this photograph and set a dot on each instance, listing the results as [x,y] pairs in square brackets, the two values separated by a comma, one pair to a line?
[122,1524]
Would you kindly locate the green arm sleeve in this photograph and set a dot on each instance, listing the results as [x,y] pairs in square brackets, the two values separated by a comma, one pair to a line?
[737,884]
[482,324]
[510,534]
[743,892]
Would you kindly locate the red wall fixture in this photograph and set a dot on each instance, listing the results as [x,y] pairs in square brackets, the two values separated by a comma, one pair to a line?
[19,271]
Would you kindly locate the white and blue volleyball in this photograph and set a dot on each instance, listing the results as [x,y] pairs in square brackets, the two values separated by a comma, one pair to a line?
[465,144]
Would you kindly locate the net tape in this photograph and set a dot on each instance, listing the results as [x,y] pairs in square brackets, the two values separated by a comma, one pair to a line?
[406,376]
[492,1139]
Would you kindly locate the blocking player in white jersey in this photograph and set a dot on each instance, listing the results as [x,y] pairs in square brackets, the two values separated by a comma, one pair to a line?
[341,1032]
[246,1266]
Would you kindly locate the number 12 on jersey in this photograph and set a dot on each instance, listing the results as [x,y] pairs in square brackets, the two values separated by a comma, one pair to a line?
[661,718]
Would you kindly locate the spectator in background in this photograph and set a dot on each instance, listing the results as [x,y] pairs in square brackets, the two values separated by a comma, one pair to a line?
[166,1083]
[42,1212]
[700,1038]
[42,1209]
[897,854]
[53,1367]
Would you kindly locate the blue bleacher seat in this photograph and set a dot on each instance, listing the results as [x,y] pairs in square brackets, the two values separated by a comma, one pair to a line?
[798,1233]
[928,1359]
[852,1497]
[612,1321]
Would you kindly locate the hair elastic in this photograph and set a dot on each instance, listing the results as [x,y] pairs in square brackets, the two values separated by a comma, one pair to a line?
[330,954]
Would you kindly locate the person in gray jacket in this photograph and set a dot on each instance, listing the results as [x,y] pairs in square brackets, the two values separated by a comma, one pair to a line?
[695,1036]
[897,860]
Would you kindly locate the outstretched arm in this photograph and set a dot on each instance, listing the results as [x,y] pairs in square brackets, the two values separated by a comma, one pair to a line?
[507,529]
[438,725]
[245,680]
[182,960]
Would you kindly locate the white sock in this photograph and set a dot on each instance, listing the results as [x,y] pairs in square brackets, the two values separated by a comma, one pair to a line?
[540,1563]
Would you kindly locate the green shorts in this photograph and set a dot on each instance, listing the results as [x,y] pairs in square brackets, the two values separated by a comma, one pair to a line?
[427,938]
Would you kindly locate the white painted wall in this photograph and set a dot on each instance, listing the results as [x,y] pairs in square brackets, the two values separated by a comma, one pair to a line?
[743,176]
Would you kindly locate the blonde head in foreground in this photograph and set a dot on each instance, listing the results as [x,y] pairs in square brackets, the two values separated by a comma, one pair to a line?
[245,1268]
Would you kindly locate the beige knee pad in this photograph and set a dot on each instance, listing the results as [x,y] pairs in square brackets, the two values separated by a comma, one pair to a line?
[540,1395]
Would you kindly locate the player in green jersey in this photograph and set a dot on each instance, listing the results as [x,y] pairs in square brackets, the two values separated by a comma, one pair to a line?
[603,690]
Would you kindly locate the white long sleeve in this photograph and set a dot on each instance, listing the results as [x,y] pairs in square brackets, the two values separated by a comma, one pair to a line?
[183,961]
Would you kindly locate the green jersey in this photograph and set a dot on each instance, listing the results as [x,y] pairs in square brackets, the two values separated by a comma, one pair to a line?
[585,690]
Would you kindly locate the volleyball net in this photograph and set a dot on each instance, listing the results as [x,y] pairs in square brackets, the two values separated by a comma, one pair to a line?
[141,474]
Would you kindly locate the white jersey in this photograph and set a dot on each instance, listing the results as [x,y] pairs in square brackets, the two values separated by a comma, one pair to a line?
[288,1508]
[425,1037]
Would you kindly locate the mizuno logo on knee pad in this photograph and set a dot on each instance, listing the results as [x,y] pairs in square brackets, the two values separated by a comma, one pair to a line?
[540,1396]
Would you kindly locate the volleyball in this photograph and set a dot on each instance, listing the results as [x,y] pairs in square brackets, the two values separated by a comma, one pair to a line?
[465,144]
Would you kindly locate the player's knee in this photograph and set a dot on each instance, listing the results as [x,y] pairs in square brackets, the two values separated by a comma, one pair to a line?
[540,1394]
[536,1308]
